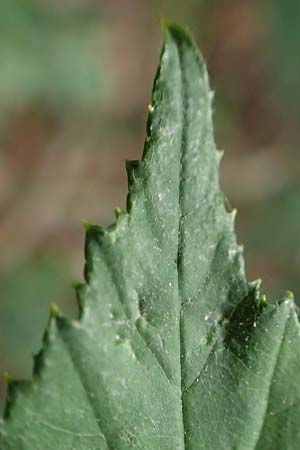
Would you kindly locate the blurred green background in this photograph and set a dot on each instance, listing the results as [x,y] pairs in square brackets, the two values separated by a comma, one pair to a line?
[75,82]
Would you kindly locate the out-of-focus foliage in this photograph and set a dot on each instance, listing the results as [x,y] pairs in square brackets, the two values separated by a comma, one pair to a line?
[26,292]
[284,39]
[273,230]
[48,55]
[74,84]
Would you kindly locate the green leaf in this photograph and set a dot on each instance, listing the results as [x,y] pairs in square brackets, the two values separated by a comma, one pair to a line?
[174,349]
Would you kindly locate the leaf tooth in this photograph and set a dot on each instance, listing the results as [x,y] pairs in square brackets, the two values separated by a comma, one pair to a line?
[256,283]
[8,378]
[91,237]
[86,224]
[150,108]
[49,335]
[14,387]
[233,213]
[79,293]
[241,248]
[132,169]
[19,387]
[75,284]
[92,229]
[288,296]
[54,310]
[119,213]
[220,154]
[10,395]
[263,301]
[255,286]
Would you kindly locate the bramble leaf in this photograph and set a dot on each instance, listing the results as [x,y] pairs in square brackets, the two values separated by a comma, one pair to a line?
[173,349]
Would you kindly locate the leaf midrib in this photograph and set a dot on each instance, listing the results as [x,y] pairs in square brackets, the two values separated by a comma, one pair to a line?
[180,238]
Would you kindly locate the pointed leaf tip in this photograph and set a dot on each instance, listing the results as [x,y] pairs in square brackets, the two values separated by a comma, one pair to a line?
[168,26]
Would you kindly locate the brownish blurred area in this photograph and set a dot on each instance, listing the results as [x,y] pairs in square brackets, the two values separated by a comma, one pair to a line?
[75,82]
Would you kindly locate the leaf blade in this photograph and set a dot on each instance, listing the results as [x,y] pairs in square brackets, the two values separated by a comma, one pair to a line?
[172,340]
